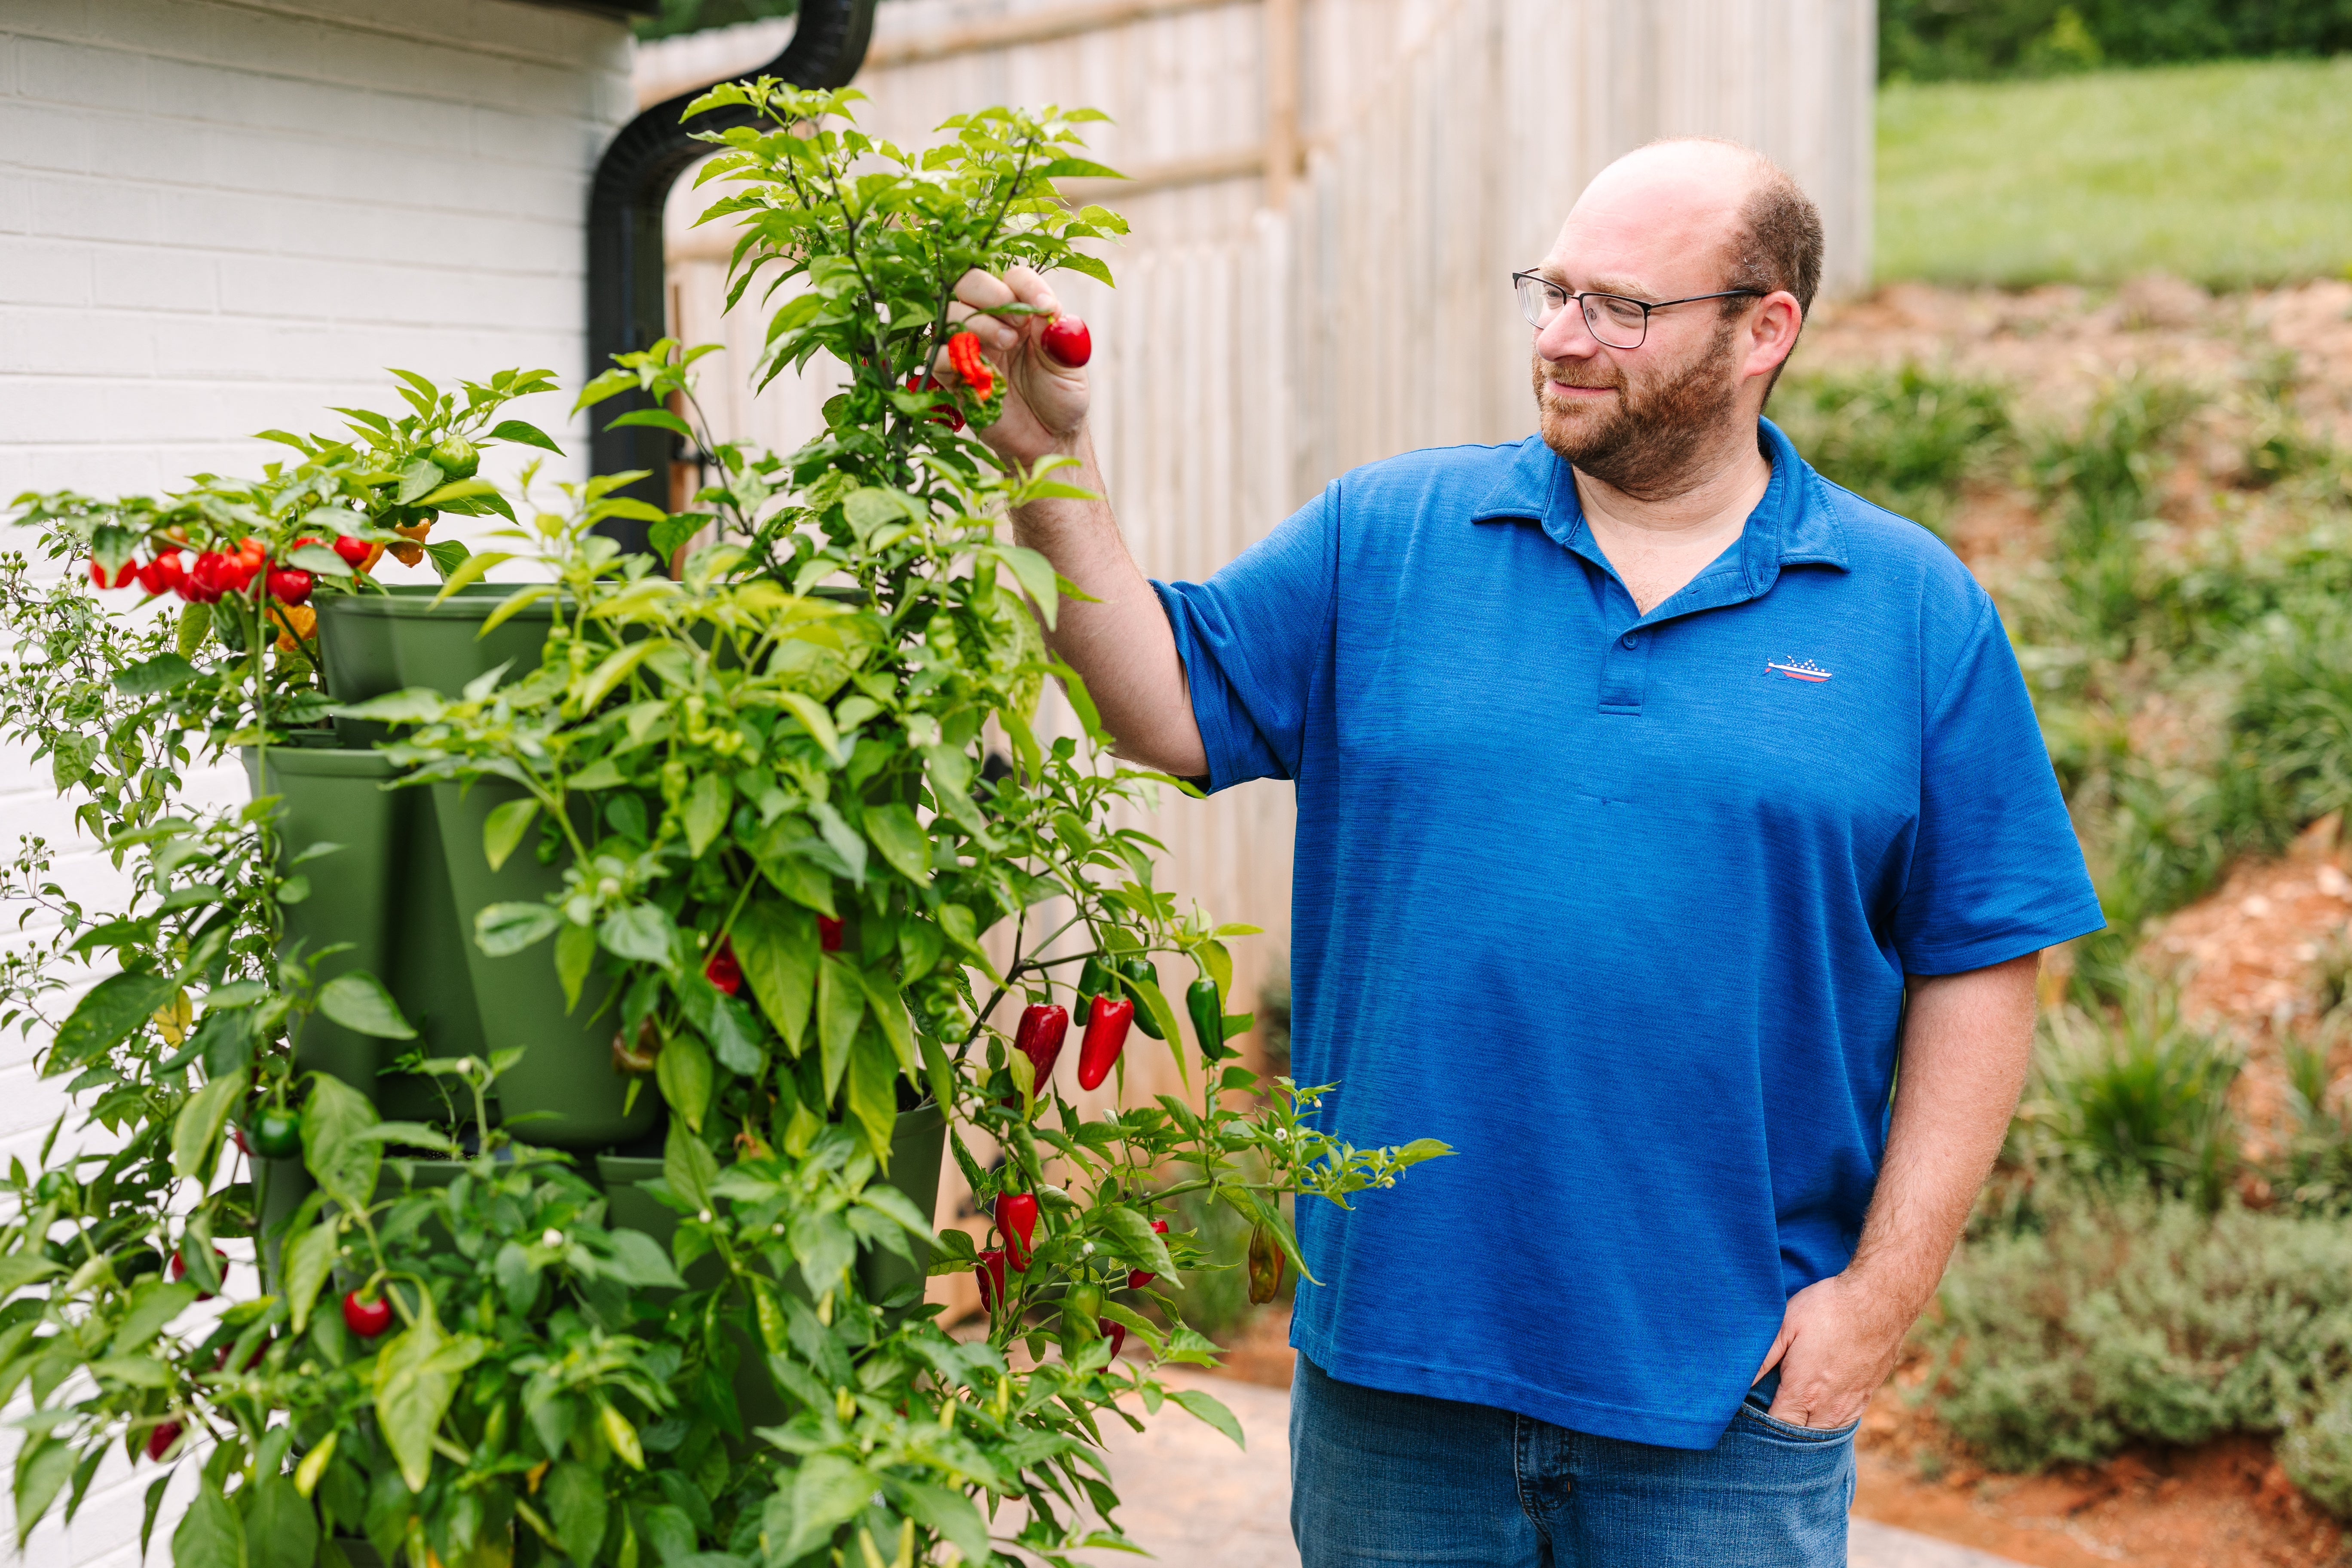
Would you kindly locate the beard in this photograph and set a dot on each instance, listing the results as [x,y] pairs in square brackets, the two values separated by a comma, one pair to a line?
[1643,442]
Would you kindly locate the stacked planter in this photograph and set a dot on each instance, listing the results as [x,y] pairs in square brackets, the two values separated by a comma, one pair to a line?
[401,892]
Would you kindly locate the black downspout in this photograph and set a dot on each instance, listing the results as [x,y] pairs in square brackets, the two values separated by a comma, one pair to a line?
[627,310]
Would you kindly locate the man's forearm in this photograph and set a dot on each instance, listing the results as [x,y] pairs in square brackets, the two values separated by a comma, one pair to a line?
[1121,644]
[1967,1040]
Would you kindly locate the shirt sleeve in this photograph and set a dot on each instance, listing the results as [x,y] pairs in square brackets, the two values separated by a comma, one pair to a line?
[1996,870]
[1254,638]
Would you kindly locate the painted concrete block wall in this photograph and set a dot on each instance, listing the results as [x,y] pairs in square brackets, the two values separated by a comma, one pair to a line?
[217,218]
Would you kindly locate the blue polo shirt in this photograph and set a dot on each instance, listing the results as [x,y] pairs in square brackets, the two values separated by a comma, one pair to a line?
[1618,905]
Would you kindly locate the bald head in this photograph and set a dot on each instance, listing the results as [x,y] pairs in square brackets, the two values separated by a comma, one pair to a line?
[1721,203]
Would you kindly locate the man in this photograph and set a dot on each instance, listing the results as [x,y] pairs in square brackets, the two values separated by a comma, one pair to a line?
[1654,795]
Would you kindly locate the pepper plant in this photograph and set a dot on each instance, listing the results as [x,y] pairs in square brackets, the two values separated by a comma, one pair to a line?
[806,897]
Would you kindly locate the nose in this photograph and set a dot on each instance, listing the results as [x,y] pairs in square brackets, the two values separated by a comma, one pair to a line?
[1567,335]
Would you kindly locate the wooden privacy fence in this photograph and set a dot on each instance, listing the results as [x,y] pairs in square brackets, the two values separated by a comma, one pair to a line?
[1330,195]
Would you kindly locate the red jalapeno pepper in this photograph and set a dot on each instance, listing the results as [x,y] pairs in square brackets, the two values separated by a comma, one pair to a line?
[1016,1216]
[1039,1037]
[1106,1037]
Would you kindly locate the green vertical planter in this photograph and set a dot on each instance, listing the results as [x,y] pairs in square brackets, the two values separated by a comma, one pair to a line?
[565,1083]
[376,895]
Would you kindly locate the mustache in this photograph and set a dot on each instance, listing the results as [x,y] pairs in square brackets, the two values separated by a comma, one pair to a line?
[1568,376]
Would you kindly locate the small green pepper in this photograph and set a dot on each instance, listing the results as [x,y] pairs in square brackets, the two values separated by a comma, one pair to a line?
[1207,1010]
[277,1133]
[1094,980]
[1139,968]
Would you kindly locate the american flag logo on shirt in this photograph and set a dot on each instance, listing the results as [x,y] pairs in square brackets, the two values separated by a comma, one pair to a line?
[1800,670]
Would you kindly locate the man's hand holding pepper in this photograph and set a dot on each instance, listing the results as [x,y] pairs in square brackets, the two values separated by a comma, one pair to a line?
[1045,410]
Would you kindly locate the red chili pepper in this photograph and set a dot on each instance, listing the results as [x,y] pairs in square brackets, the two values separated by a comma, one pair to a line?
[1115,1332]
[210,578]
[354,551]
[723,971]
[121,578]
[1105,1036]
[160,1441]
[164,573]
[991,1271]
[828,934]
[366,1319]
[1016,1216]
[963,354]
[288,585]
[1039,1037]
[1136,1279]
[1068,340]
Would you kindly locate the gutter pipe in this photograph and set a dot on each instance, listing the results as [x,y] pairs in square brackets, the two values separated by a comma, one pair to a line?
[627,310]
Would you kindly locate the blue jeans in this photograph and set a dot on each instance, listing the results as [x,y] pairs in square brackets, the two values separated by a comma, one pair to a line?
[1379,1477]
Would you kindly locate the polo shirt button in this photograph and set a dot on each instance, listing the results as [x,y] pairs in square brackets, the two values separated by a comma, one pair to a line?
[1631,639]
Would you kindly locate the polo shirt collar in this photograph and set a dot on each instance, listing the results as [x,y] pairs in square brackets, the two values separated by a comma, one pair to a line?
[1790,526]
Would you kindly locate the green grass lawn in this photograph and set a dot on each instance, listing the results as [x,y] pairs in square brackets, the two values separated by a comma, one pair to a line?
[2229,174]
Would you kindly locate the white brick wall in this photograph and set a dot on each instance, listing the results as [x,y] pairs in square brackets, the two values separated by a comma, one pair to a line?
[221,215]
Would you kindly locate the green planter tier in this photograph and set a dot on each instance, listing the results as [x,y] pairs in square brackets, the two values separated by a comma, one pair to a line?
[377,643]
[382,892]
[565,1093]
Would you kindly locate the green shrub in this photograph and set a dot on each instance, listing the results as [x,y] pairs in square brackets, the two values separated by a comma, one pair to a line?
[2317,1452]
[2137,1100]
[1929,39]
[2144,1319]
[1905,437]
[2293,714]
[2314,1173]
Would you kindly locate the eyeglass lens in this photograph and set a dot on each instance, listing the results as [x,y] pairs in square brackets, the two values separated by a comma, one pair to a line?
[1614,321]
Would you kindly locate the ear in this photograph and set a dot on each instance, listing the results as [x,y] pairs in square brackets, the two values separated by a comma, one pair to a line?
[1771,334]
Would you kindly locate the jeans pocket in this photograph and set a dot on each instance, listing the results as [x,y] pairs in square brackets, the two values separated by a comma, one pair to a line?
[1791,1432]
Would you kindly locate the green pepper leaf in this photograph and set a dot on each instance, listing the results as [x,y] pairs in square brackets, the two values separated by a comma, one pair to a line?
[777,945]
[309,1261]
[110,1010]
[341,1157]
[682,1068]
[503,828]
[840,1003]
[210,1535]
[358,1001]
[642,932]
[902,840]
[196,1133]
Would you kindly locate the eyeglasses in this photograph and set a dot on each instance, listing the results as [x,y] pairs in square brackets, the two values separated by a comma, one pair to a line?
[1614,321]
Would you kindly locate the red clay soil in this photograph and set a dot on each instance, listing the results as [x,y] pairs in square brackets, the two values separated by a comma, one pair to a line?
[2225,1505]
